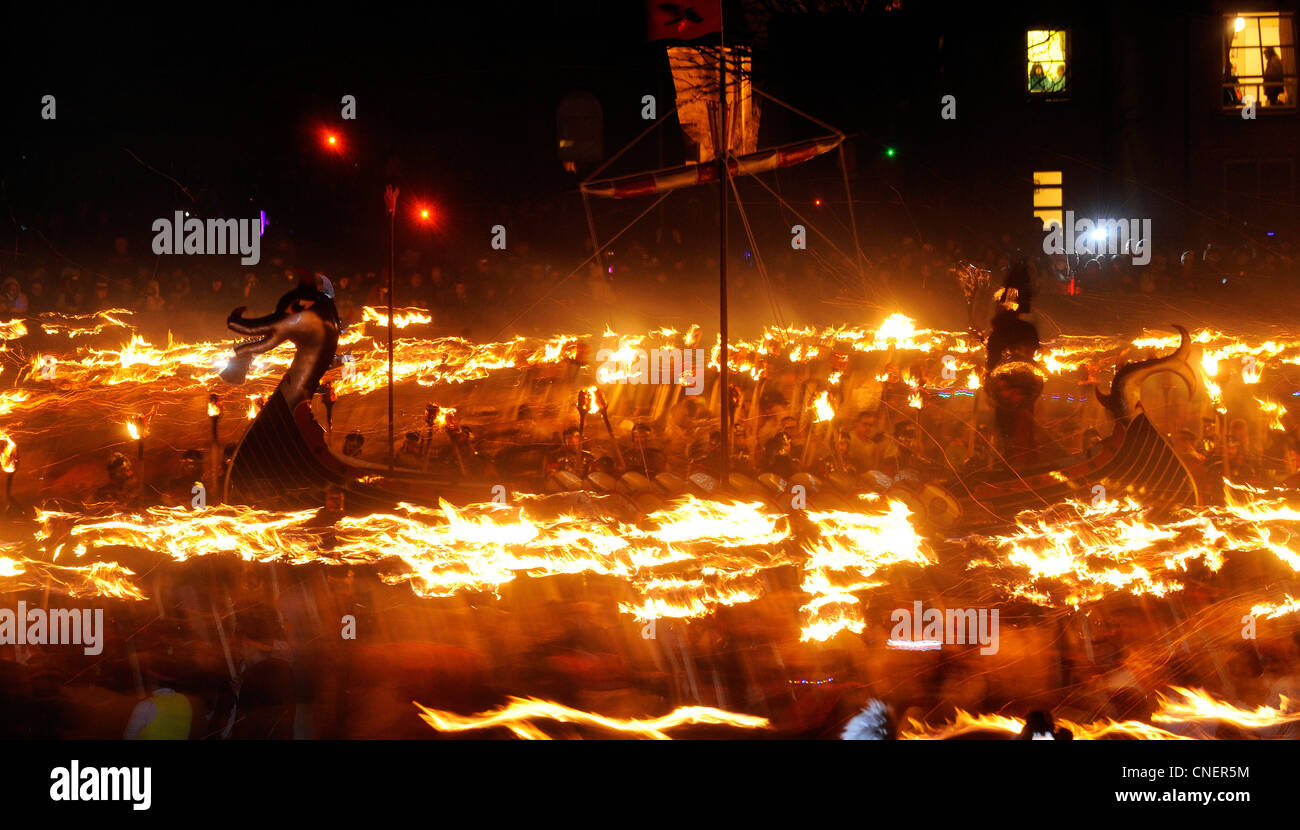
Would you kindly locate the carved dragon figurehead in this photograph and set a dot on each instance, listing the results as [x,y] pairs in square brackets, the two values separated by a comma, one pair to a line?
[1125,390]
[306,317]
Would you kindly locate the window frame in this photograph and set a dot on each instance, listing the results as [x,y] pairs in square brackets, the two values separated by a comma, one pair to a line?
[1059,187]
[1290,81]
[1067,49]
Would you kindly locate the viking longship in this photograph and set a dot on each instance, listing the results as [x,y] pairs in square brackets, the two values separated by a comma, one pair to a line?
[284,459]
[1135,462]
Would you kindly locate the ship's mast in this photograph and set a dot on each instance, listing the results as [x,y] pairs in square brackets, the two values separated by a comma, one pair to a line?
[723,145]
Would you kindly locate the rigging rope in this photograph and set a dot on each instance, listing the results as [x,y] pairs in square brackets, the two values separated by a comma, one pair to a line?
[758,258]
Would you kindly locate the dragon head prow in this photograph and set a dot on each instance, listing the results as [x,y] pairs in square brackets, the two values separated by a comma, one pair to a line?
[1124,399]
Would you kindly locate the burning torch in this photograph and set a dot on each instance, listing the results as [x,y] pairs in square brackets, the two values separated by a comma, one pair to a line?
[137,427]
[431,411]
[823,412]
[447,417]
[586,404]
[328,396]
[8,463]
[432,416]
[756,406]
[973,384]
[214,413]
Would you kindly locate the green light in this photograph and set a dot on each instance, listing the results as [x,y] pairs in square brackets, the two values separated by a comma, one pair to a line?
[890,152]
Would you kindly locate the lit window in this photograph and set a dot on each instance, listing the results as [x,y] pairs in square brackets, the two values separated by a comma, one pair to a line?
[1259,64]
[1049,63]
[1048,197]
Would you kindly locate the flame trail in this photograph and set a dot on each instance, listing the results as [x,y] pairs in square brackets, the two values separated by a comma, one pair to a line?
[518,713]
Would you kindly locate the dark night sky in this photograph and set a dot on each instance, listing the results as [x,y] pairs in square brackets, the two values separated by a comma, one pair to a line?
[455,101]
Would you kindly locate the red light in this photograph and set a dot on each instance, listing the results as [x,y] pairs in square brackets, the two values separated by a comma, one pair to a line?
[817,202]
[331,141]
[425,214]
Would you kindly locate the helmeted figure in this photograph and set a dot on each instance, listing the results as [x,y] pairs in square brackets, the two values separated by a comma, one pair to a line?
[1015,381]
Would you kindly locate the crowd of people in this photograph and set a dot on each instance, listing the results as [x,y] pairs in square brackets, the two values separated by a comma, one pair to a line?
[668,253]
[897,424]
[877,436]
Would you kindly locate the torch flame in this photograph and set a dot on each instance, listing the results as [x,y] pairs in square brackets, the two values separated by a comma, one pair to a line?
[1196,706]
[402,317]
[823,407]
[518,713]
[1275,411]
[8,453]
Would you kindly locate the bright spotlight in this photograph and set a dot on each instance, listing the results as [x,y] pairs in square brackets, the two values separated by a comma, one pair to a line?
[424,213]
